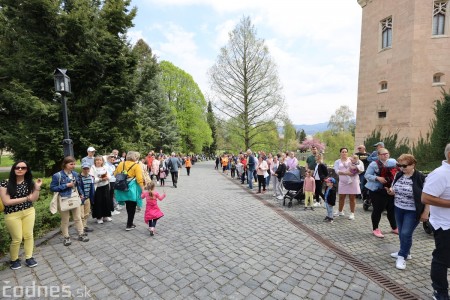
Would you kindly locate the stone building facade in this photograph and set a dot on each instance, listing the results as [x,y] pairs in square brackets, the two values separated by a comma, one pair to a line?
[404,64]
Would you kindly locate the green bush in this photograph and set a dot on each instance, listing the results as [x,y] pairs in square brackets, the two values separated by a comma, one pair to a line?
[44,223]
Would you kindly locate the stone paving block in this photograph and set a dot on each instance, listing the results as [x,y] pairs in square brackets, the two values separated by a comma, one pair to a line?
[299,291]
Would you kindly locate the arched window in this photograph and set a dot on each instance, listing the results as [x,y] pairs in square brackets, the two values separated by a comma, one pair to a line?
[383,86]
[438,77]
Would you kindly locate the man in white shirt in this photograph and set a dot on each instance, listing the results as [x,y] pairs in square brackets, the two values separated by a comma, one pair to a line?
[436,193]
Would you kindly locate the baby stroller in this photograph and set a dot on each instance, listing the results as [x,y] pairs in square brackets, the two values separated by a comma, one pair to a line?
[293,183]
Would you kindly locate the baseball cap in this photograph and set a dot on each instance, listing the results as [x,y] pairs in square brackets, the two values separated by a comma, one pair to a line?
[331,179]
[379,143]
[90,149]
[85,165]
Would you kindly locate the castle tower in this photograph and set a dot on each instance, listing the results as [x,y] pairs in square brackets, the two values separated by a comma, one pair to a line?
[404,64]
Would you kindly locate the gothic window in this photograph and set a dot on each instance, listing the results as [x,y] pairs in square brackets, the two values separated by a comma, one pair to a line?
[386,33]
[383,86]
[439,13]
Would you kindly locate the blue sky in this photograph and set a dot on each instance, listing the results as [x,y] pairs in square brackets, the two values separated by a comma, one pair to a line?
[315,44]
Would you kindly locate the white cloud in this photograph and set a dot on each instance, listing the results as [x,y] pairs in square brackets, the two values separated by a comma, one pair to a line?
[180,48]
[314,43]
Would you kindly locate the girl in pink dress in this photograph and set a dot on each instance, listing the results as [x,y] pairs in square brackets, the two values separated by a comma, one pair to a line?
[152,211]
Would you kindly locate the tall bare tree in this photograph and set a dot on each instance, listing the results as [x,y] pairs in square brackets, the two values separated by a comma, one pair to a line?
[245,84]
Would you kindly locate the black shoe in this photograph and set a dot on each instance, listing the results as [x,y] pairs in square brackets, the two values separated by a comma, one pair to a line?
[130,227]
[306,207]
[326,219]
[30,262]
[67,241]
[312,208]
[87,229]
[440,296]
[83,238]
[15,265]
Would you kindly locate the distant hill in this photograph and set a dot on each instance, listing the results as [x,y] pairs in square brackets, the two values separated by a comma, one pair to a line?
[311,129]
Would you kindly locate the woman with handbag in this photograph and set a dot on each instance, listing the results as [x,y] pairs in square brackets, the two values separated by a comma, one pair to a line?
[64,182]
[132,196]
[18,194]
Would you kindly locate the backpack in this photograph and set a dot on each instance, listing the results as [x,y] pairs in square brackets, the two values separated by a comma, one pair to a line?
[121,179]
[387,173]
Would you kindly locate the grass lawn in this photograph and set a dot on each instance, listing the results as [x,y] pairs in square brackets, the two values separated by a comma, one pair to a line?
[6,161]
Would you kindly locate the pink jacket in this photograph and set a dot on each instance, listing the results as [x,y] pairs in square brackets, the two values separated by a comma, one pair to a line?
[152,210]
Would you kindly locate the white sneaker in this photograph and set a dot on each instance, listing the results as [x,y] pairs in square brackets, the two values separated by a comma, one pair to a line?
[400,263]
[119,207]
[99,221]
[395,255]
[339,214]
[107,219]
[352,216]
[280,197]
[115,212]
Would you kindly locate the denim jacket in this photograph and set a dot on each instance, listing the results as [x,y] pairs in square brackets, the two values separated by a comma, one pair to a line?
[373,172]
[60,181]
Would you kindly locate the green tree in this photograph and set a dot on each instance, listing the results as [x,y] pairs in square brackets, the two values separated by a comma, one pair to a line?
[301,135]
[440,126]
[334,141]
[86,37]
[245,83]
[211,119]
[342,120]
[156,124]
[188,105]
[289,136]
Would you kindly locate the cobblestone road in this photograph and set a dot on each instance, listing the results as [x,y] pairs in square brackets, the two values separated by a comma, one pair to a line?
[218,241]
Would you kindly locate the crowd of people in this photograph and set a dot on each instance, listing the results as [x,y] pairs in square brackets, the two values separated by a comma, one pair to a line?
[94,190]
[394,185]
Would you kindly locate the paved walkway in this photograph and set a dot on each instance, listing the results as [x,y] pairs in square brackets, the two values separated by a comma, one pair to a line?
[219,241]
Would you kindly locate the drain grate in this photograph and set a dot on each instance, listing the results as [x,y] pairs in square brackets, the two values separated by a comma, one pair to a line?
[382,280]
[395,289]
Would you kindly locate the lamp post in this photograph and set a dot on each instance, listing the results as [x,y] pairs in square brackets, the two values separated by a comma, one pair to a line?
[62,86]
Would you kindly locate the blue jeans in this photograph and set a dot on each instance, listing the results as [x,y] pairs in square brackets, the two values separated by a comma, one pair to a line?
[362,182]
[406,224]
[268,181]
[329,210]
[250,179]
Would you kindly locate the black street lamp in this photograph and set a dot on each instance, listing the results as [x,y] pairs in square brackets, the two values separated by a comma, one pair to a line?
[62,87]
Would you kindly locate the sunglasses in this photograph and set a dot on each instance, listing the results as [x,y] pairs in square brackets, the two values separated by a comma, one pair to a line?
[402,166]
[21,168]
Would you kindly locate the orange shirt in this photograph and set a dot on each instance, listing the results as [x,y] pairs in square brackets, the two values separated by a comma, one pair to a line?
[188,163]
[224,161]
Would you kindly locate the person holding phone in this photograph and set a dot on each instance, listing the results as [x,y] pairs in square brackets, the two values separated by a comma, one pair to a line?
[18,194]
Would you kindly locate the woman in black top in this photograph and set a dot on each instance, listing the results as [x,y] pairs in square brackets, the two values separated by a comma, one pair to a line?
[319,174]
[281,170]
[18,194]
